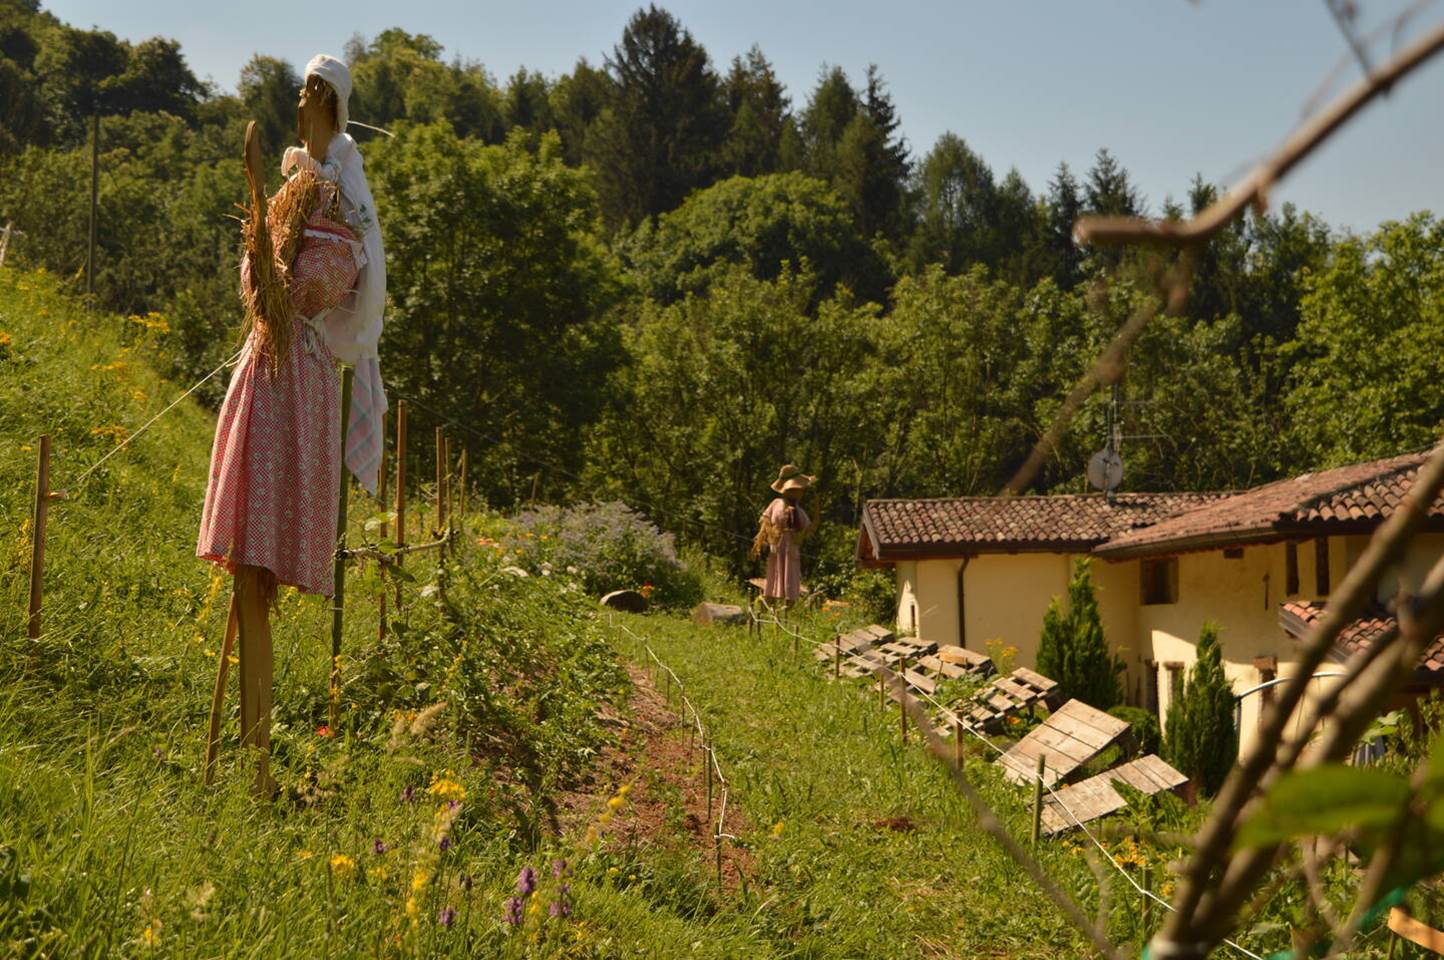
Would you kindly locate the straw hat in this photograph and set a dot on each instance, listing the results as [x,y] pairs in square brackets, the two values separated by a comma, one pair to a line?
[790,477]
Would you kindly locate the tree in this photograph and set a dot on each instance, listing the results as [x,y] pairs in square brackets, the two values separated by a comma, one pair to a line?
[659,137]
[1200,739]
[577,100]
[760,113]
[1109,189]
[400,76]
[1072,650]
[1065,205]
[957,208]
[269,88]
[831,108]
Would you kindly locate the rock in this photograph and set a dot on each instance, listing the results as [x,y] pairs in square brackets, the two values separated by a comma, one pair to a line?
[628,600]
[714,613]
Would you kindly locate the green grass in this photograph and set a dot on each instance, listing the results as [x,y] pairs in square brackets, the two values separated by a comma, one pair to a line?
[110,845]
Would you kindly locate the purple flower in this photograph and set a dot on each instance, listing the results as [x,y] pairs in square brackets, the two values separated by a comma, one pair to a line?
[445,844]
[453,804]
[446,917]
[512,914]
[559,868]
[466,881]
[409,794]
[526,881]
[379,847]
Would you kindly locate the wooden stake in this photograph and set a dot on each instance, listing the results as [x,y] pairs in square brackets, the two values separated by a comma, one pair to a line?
[461,516]
[400,489]
[1147,913]
[717,841]
[218,697]
[707,762]
[37,534]
[958,743]
[881,691]
[94,205]
[446,491]
[338,599]
[1038,799]
[902,699]
[836,657]
[385,528]
[439,521]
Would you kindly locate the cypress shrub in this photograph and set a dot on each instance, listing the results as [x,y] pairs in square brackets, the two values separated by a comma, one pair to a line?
[1072,650]
[1199,738]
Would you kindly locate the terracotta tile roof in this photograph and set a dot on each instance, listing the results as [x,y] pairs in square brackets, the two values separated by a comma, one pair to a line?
[902,529]
[1297,617]
[1358,496]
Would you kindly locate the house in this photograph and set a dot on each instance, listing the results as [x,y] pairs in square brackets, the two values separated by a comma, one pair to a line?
[1260,563]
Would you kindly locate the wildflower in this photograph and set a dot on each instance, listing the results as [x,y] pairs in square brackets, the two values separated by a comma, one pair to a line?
[559,909]
[150,936]
[646,591]
[419,880]
[447,788]
[777,828]
[526,881]
[413,909]
[444,844]
[343,866]
[466,881]
[615,803]
[624,789]
[513,914]
[612,871]
[559,869]
[408,795]
[447,916]
[377,874]
[114,430]
[605,817]
[379,847]
[324,731]
[591,837]
[535,908]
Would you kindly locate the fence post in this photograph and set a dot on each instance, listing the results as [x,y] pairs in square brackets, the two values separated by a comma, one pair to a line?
[958,744]
[338,598]
[439,504]
[1147,912]
[446,492]
[836,657]
[881,690]
[37,535]
[707,762]
[400,489]
[717,840]
[94,204]
[385,529]
[902,700]
[461,516]
[1038,799]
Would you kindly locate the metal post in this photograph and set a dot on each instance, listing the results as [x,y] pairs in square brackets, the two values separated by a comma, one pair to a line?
[94,204]
[1038,799]
[37,534]
[338,599]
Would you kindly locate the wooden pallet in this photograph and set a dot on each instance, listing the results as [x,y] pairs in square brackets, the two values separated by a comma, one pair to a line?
[856,641]
[1020,691]
[1071,736]
[1096,797]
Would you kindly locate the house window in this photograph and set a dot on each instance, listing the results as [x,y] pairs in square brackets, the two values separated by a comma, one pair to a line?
[1159,581]
[1291,569]
[1321,566]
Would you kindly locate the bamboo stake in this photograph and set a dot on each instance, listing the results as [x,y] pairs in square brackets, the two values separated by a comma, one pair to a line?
[1038,799]
[385,527]
[400,488]
[37,534]
[338,599]
[218,697]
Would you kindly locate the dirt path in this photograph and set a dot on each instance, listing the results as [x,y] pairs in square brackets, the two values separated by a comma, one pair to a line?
[666,806]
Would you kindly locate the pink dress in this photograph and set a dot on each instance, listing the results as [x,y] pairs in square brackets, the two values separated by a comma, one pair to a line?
[275,481]
[784,559]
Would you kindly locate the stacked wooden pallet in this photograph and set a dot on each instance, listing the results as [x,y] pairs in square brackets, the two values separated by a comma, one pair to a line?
[1070,737]
[1021,691]
[854,642]
[1096,796]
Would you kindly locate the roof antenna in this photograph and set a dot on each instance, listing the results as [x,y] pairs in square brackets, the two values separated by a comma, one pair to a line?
[1105,468]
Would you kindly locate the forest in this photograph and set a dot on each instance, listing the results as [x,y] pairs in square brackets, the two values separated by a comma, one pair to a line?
[658,276]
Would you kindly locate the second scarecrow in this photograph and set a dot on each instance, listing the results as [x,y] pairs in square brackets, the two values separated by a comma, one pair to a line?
[782,528]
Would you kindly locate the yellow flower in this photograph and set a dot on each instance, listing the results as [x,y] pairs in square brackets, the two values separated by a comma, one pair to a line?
[419,880]
[615,803]
[624,789]
[777,828]
[343,866]
[605,817]
[150,936]
[612,871]
[376,874]
[447,789]
[591,836]
[535,907]
[413,909]
[113,430]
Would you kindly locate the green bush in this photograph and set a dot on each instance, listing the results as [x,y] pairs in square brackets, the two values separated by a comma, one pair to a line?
[1143,725]
[606,547]
[1201,740]
[1072,650]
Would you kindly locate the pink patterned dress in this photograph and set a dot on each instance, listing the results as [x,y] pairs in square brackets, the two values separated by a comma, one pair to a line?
[274,487]
[784,557]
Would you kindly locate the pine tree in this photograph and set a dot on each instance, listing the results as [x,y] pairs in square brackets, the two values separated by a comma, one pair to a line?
[1065,203]
[1200,739]
[1072,649]
[759,107]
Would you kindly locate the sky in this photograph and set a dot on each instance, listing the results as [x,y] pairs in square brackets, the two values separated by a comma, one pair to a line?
[1171,87]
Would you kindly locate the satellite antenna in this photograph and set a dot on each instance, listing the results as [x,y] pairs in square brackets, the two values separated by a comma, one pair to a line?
[1105,469]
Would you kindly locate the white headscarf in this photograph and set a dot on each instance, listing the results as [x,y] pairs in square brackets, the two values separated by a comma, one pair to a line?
[338,75]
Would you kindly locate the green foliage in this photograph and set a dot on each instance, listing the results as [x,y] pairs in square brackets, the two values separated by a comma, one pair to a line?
[605,547]
[1072,649]
[1199,737]
[1142,726]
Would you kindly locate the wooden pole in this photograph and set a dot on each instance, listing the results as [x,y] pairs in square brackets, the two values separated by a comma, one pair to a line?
[1038,799]
[717,841]
[958,743]
[902,699]
[400,488]
[218,697]
[461,516]
[836,657]
[439,521]
[37,534]
[94,206]
[707,762]
[1147,913]
[5,240]
[385,528]
[338,599]
[881,691]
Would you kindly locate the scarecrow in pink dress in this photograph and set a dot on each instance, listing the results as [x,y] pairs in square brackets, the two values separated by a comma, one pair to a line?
[781,529]
[313,282]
